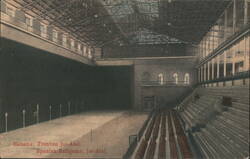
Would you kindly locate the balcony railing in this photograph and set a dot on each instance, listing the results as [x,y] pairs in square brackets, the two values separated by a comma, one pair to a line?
[230,77]
[164,83]
[38,32]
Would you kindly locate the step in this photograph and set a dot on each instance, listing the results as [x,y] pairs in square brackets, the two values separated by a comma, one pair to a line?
[204,150]
[211,145]
[207,147]
[220,148]
[238,112]
[226,141]
[233,131]
[239,142]
[238,127]
[242,121]
[241,106]
[187,121]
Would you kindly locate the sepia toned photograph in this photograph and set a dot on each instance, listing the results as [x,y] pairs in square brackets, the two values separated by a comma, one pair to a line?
[124,79]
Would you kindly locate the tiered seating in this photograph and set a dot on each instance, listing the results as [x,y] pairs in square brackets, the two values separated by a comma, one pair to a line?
[149,142]
[143,145]
[141,150]
[162,141]
[226,134]
[182,139]
[197,112]
[150,129]
[172,143]
[151,149]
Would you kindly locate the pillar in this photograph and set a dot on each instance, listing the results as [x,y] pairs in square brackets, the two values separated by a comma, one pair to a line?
[218,66]
[225,25]
[199,80]
[201,69]
[205,72]
[233,60]
[234,16]
[225,64]
[213,67]
[245,12]
[208,70]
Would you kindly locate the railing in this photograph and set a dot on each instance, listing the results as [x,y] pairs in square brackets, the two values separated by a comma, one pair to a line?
[164,83]
[29,114]
[239,75]
[19,23]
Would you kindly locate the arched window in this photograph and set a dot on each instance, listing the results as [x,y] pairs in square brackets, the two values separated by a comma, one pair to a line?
[175,78]
[90,53]
[160,78]
[84,50]
[186,78]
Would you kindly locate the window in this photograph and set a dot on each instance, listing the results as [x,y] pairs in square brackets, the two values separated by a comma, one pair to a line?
[28,21]
[54,35]
[186,78]
[84,51]
[64,40]
[43,30]
[72,44]
[175,78]
[79,47]
[10,12]
[160,79]
[90,53]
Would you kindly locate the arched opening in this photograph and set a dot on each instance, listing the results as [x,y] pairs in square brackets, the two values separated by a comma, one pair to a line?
[175,78]
[186,78]
[160,79]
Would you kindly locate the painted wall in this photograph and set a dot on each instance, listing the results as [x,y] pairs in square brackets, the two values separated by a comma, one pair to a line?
[29,76]
[167,94]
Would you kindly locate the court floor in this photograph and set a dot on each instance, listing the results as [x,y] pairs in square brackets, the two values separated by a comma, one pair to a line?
[89,134]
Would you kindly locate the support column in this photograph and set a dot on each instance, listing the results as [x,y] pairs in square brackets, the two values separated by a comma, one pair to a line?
[233,60]
[225,64]
[218,66]
[208,70]
[245,12]
[199,75]
[225,26]
[201,69]
[212,68]
[246,60]
[234,16]
[205,72]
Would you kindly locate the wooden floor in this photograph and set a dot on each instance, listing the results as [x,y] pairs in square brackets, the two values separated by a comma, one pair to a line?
[90,134]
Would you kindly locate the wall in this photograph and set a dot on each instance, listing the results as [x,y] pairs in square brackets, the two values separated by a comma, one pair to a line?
[167,94]
[144,51]
[30,76]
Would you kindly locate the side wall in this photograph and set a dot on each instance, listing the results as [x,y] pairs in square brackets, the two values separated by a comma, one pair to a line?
[29,76]
[167,95]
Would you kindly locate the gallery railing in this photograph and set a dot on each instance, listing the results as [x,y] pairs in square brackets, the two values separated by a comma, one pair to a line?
[164,83]
[20,23]
[236,76]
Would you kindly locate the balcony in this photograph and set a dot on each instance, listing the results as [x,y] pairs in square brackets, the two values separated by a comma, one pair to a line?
[16,29]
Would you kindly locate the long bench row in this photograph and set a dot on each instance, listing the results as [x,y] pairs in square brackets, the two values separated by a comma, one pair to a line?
[181,138]
[225,133]
[153,143]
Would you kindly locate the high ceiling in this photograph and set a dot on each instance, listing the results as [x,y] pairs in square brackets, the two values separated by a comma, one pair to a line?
[104,22]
